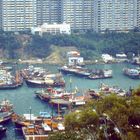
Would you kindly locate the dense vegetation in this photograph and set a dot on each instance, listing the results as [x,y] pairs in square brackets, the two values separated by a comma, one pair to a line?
[109,118]
[90,44]
[9,44]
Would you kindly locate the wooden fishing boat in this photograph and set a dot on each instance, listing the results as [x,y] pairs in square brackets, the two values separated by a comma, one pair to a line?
[50,80]
[23,120]
[6,106]
[76,70]
[9,81]
[93,94]
[100,74]
[6,111]
[53,93]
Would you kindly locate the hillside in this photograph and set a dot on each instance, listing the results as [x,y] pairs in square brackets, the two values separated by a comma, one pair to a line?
[58,54]
[53,48]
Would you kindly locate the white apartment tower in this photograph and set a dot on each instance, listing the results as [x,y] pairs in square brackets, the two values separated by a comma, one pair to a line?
[18,15]
[116,15]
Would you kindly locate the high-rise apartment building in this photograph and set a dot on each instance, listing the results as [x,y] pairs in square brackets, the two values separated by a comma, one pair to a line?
[48,11]
[0,15]
[18,15]
[98,15]
[138,13]
[79,13]
[119,15]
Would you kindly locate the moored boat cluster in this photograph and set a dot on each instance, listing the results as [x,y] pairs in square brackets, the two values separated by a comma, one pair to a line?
[40,77]
[40,126]
[31,125]
[53,92]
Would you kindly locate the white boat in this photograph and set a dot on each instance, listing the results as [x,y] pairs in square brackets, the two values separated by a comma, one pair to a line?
[132,73]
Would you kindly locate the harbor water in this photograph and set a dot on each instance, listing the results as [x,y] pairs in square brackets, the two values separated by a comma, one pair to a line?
[23,98]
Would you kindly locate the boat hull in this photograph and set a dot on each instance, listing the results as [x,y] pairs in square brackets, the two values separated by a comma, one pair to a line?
[5,87]
[131,73]
[44,85]
[76,73]
[132,76]
[65,71]
[43,98]
[98,77]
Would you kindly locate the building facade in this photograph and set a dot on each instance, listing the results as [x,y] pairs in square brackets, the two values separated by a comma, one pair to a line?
[48,11]
[138,13]
[0,15]
[98,15]
[52,29]
[116,15]
[18,15]
[78,13]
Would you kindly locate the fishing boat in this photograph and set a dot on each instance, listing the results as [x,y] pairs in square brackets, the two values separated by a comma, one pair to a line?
[49,80]
[79,100]
[44,83]
[23,120]
[53,93]
[101,74]
[76,70]
[6,111]
[44,96]
[67,70]
[109,90]
[6,106]
[132,73]
[8,81]
[32,71]
[93,94]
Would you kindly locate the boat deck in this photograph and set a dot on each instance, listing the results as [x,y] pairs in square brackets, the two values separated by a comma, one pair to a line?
[60,102]
[35,136]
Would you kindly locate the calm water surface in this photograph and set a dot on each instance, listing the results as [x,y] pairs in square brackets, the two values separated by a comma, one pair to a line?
[23,98]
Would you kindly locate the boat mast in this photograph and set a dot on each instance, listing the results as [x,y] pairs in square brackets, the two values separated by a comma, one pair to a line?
[30,109]
[70,84]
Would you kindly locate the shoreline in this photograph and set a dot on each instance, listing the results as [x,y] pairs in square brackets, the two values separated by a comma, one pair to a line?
[40,61]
